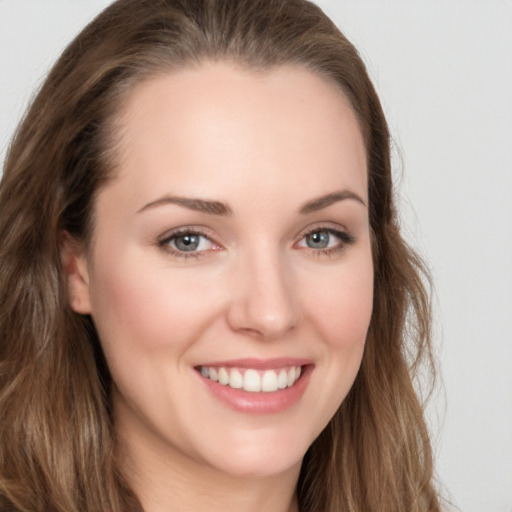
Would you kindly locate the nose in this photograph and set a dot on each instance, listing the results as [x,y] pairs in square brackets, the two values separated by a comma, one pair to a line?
[264,302]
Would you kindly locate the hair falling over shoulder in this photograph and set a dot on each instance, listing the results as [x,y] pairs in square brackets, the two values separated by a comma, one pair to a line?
[57,448]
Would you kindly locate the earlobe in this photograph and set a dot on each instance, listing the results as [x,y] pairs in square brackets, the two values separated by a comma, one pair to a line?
[74,265]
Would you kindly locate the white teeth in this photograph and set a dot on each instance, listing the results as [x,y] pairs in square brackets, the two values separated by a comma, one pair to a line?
[291,376]
[269,381]
[223,376]
[282,380]
[252,380]
[236,379]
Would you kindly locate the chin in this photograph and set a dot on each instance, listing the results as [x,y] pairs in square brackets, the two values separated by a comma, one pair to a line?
[256,455]
[258,466]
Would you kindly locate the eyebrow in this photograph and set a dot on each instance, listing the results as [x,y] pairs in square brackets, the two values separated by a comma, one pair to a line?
[200,205]
[219,208]
[324,201]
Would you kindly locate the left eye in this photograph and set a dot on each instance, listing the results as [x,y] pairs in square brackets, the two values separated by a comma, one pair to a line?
[188,242]
[323,239]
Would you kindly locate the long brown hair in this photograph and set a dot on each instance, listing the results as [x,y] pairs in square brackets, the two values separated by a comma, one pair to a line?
[57,449]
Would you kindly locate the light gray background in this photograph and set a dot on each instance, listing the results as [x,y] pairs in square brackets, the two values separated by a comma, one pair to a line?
[443,70]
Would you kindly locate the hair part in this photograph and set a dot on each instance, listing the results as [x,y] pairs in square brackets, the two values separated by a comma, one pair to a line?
[57,447]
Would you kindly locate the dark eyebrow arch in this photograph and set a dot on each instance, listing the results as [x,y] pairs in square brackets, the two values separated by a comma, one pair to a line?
[327,200]
[200,205]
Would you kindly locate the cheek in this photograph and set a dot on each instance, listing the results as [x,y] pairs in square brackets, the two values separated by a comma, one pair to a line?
[341,305]
[339,308]
[146,307]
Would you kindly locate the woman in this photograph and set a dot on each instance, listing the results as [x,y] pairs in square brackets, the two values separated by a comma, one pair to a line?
[204,291]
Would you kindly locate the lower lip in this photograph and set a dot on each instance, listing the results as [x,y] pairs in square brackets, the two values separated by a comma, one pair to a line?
[260,402]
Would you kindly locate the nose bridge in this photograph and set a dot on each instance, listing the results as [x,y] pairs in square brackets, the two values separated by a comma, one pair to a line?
[265,302]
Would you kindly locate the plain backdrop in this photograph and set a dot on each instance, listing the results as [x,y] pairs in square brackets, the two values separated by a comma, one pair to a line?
[443,70]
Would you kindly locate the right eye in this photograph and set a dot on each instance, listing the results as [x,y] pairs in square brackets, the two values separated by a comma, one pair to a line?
[187,243]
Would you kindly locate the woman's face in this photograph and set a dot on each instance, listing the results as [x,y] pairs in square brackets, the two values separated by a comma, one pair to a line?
[232,248]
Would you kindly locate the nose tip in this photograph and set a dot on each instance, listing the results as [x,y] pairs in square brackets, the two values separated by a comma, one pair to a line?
[264,304]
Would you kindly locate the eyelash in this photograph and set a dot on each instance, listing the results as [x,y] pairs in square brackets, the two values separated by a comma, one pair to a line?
[345,238]
[164,243]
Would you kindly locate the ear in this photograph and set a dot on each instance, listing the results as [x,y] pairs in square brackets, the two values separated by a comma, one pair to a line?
[74,264]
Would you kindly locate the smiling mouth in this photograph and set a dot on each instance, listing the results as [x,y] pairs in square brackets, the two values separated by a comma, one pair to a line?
[253,380]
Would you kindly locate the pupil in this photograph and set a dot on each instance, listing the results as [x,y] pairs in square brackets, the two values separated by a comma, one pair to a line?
[318,240]
[187,242]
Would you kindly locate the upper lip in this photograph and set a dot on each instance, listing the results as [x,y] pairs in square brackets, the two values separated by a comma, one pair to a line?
[260,364]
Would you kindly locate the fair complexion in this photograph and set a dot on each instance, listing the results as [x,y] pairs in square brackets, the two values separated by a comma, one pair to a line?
[233,240]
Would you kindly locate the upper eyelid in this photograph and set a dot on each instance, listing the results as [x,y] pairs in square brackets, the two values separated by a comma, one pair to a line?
[192,230]
[327,226]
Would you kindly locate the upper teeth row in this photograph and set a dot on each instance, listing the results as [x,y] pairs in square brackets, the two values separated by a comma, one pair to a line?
[252,380]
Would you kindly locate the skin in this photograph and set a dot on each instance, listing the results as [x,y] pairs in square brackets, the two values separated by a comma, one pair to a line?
[264,145]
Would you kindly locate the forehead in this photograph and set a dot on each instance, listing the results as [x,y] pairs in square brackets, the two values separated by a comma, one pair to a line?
[249,130]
